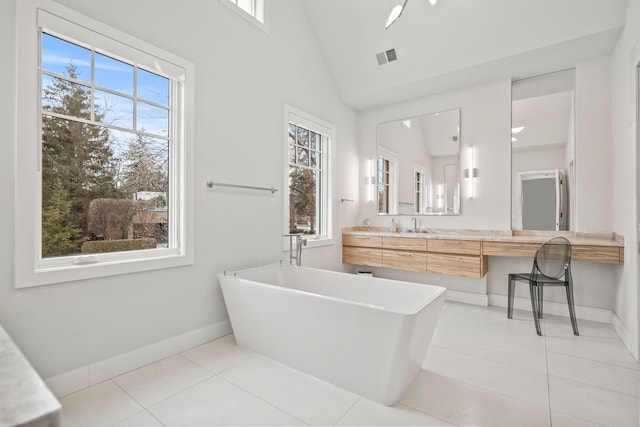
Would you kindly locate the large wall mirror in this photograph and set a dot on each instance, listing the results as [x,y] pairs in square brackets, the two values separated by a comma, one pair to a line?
[418,165]
[543,152]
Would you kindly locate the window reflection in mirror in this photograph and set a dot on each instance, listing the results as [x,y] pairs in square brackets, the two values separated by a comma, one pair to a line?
[543,152]
[387,181]
[419,165]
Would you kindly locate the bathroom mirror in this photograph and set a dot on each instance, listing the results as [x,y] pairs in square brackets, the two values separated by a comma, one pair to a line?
[418,165]
[543,152]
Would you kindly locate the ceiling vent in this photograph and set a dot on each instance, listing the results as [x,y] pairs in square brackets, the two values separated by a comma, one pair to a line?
[386,57]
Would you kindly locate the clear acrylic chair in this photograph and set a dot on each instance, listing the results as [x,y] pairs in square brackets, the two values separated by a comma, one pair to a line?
[551,267]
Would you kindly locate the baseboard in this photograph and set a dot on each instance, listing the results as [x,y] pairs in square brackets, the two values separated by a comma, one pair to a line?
[95,373]
[555,308]
[625,335]
[467,297]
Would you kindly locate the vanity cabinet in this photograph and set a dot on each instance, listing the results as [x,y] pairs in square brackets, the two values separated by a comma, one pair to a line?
[450,257]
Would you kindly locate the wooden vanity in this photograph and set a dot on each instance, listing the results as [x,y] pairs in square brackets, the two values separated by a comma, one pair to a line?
[462,253]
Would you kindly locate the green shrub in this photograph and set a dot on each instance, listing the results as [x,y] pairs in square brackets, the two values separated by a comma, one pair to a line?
[103,246]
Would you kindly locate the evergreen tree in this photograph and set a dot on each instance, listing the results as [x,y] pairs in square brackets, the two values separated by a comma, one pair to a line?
[75,154]
[58,232]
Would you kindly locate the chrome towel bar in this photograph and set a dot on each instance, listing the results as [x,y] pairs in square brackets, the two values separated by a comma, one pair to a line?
[211,184]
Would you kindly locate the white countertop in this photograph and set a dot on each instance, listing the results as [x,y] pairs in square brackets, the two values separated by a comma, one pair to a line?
[593,239]
[25,400]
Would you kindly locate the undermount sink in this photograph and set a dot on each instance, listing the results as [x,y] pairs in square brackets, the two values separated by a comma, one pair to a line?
[417,231]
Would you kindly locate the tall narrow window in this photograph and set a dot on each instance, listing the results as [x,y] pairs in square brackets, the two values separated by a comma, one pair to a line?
[387,181]
[308,177]
[384,182]
[418,198]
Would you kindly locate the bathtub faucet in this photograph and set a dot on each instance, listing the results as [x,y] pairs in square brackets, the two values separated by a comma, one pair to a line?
[300,242]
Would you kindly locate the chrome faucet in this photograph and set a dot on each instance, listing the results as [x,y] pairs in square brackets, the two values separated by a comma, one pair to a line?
[415,224]
[300,242]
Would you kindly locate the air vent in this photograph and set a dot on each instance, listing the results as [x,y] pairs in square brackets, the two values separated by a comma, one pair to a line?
[386,57]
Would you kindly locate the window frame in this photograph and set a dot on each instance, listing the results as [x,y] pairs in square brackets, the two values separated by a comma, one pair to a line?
[326,129]
[249,17]
[392,186]
[30,268]
[419,189]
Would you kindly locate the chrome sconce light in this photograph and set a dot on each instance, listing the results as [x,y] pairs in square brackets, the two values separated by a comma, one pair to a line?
[471,172]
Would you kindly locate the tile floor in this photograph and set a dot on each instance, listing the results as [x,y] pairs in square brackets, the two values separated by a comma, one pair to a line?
[481,369]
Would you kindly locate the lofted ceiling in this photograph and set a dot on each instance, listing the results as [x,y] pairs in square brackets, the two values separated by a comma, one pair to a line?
[455,43]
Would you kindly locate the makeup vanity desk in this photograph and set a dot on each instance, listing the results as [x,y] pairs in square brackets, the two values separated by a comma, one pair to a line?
[464,252]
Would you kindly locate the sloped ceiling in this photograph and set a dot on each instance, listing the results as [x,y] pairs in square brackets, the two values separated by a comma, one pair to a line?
[455,43]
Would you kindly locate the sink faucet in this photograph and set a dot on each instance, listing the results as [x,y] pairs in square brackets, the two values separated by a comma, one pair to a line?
[300,242]
[415,224]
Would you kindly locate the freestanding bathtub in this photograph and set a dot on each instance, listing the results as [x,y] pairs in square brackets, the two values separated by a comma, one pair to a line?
[367,335]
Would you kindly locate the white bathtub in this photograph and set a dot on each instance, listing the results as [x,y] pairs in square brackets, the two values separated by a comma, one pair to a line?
[366,335]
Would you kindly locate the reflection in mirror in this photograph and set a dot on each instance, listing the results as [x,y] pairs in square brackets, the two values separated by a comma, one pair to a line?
[418,165]
[543,152]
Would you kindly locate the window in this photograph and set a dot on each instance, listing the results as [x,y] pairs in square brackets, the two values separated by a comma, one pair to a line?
[384,182]
[308,176]
[254,11]
[111,154]
[387,180]
[419,186]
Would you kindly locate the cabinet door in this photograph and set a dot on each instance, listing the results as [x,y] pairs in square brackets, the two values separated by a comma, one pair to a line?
[371,257]
[461,247]
[606,254]
[510,249]
[404,260]
[456,265]
[362,241]
[405,243]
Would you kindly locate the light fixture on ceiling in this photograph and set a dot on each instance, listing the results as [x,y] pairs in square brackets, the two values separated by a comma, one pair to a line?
[396,12]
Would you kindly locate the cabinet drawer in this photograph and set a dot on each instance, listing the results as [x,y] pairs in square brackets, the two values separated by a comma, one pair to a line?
[362,256]
[606,254]
[362,241]
[510,249]
[405,243]
[404,260]
[456,265]
[465,247]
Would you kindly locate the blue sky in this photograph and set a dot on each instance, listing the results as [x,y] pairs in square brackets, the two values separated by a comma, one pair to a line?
[117,76]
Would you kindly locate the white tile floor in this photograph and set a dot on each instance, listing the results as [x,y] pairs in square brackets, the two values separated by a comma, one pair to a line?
[482,369]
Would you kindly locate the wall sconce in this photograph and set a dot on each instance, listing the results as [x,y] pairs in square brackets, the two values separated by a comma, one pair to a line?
[471,172]
[440,196]
[370,180]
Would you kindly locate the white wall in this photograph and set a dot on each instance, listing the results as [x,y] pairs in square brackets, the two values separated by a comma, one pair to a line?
[625,59]
[593,145]
[243,79]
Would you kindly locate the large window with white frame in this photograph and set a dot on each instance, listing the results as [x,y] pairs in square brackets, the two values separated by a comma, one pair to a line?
[308,176]
[109,166]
